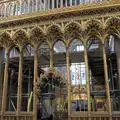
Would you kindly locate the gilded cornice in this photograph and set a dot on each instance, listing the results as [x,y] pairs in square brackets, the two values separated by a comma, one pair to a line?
[77,22]
[98,8]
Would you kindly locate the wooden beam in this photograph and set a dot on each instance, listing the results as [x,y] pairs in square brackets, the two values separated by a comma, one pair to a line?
[51,58]
[87,81]
[5,85]
[19,95]
[69,82]
[35,84]
[107,83]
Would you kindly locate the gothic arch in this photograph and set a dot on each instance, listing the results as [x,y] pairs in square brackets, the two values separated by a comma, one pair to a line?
[20,37]
[37,35]
[75,38]
[111,31]
[96,36]
[110,19]
[6,40]
[72,29]
[54,27]
[44,42]
[58,41]
[54,32]
[77,24]
[96,21]
[37,30]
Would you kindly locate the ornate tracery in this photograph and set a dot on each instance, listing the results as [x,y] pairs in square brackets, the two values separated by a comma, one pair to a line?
[92,31]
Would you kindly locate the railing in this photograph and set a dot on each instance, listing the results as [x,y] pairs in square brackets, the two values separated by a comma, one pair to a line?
[18,7]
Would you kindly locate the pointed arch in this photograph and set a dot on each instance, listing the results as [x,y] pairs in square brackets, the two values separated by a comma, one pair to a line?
[95,21]
[54,32]
[75,38]
[6,40]
[72,29]
[59,47]
[72,23]
[44,42]
[36,30]
[95,36]
[3,34]
[111,31]
[54,27]
[58,41]
[93,27]
[20,37]
[111,19]
[37,35]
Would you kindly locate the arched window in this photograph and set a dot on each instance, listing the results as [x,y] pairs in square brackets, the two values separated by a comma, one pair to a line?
[59,58]
[79,100]
[97,75]
[27,78]
[12,79]
[44,56]
[112,45]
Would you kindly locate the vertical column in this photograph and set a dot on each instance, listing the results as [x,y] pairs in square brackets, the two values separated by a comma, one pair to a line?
[5,85]
[16,9]
[45,3]
[69,82]
[65,3]
[70,2]
[1,75]
[75,2]
[13,9]
[40,5]
[53,4]
[20,81]
[29,6]
[9,10]
[117,50]
[56,3]
[79,2]
[35,84]
[1,12]
[51,58]
[21,7]
[48,3]
[87,80]
[36,4]
[33,5]
[5,10]
[61,3]
[107,82]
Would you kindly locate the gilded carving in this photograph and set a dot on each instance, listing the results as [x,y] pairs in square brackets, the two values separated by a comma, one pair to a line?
[5,40]
[81,22]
